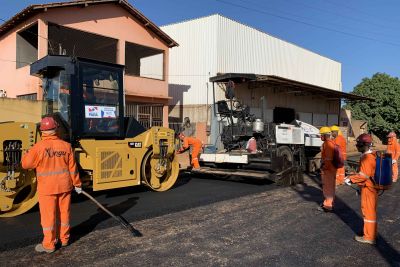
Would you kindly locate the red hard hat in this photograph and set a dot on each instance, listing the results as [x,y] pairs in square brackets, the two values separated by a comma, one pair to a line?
[391,134]
[364,138]
[47,124]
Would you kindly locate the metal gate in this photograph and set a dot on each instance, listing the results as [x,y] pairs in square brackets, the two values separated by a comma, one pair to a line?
[147,115]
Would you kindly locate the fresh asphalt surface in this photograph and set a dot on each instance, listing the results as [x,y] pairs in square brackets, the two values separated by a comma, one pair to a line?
[133,203]
[211,222]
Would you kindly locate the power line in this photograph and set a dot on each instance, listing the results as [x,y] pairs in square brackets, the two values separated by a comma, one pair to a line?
[31,32]
[358,11]
[338,25]
[309,24]
[380,26]
[38,35]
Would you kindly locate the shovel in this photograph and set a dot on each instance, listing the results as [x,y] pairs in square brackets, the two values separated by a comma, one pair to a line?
[120,219]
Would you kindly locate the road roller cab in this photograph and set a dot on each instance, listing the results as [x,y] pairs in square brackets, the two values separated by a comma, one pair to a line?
[86,98]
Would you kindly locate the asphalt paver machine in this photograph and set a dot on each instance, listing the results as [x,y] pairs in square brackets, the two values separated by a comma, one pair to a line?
[86,98]
[252,148]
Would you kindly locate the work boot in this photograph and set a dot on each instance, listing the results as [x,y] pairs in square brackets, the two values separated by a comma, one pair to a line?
[362,240]
[40,248]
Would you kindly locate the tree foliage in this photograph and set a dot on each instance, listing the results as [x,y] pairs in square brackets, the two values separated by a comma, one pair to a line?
[383,114]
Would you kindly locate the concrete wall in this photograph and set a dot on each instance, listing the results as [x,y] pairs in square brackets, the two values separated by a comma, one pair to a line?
[16,81]
[196,113]
[115,22]
[20,110]
[359,127]
[107,20]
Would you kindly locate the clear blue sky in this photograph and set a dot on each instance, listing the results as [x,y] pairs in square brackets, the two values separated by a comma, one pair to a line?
[364,35]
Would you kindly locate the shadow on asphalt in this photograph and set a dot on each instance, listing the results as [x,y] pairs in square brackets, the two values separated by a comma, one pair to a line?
[349,217]
[183,178]
[110,193]
[235,178]
[86,227]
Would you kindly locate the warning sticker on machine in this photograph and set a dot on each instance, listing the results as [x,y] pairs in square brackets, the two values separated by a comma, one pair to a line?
[98,112]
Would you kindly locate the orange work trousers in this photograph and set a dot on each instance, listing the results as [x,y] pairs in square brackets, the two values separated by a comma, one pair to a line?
[53,207]
[369,199]
[340,176]
[328,187]
[195,157]
[395,172]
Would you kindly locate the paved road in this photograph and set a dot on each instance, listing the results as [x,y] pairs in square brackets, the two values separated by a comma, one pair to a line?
[209,222]
[135,203]
[279,227]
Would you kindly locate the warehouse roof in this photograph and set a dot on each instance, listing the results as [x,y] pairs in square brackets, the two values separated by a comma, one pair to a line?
[295,86]
[35,9]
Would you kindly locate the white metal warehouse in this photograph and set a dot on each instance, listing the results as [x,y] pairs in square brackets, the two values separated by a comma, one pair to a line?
[287,75]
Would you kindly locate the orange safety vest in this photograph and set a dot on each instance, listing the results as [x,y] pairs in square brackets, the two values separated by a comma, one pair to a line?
[55,165]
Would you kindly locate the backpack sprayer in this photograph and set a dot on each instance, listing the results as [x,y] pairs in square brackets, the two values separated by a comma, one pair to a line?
[382,178]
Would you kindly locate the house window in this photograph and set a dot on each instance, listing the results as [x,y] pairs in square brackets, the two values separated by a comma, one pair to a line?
[27,46]
[72,42]
[28,97]
[144,61]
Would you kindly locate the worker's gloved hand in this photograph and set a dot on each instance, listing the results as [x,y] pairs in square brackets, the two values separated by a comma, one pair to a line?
[394,161]
[347,181]
[78,190]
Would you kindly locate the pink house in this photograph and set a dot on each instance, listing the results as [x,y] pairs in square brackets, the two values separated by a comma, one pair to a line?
[105,30]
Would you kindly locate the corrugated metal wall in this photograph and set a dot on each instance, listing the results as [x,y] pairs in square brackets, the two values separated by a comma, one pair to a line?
[244,49]
[217,44]
[193,62]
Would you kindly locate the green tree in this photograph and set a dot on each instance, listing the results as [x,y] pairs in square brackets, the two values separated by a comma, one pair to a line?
[383,114]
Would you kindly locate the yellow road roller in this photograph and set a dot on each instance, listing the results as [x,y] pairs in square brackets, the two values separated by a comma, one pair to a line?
[86,98]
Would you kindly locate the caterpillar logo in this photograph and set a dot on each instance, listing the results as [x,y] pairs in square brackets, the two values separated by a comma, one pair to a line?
[135,144]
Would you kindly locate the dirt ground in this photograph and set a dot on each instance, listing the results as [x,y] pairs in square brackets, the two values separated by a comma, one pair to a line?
[276,228]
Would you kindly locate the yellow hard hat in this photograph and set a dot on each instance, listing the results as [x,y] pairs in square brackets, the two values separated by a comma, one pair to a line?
[335,128]
[325,130]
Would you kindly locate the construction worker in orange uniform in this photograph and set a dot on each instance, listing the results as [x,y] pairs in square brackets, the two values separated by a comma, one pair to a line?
[328,171]
[369,195]
[57,175]
[196,145]
[393,148]
[341,142]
